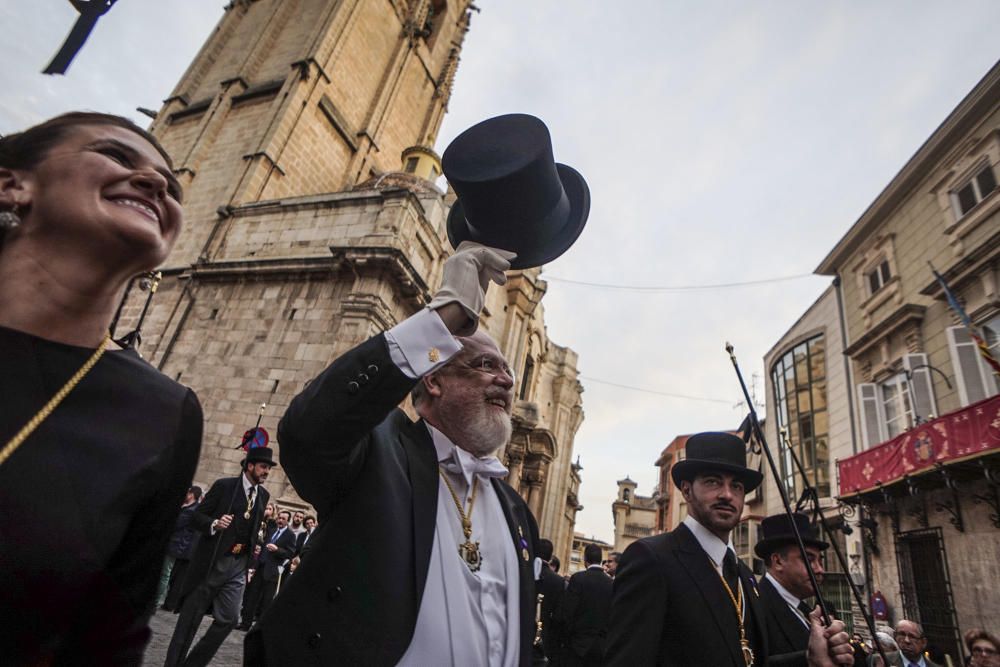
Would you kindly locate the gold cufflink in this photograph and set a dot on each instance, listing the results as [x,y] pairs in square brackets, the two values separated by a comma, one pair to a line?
[434,355]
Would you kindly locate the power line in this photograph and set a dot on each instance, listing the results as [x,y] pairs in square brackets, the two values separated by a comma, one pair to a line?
[658,393]
[676,288]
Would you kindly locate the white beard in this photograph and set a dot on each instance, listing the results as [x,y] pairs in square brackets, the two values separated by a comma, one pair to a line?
[482,433]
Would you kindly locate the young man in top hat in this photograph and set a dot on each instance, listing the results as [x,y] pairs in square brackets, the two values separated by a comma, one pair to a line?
[683,598]
[785,587]
[230,519]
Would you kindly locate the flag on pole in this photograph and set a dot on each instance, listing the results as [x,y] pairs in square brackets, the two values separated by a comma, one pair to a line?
[984,349]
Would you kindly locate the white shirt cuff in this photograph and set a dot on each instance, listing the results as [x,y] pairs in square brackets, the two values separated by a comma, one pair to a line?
[421,344]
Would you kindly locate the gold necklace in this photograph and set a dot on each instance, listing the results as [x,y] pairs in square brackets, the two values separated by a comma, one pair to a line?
[737,601]
[469,550]
[53,403]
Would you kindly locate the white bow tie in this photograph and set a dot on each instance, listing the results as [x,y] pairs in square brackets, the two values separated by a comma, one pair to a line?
[462,463]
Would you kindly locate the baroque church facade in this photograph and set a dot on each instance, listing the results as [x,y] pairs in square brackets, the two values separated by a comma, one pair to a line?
[303,133]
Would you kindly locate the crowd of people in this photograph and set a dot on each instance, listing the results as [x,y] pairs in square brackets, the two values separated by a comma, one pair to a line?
[435,560]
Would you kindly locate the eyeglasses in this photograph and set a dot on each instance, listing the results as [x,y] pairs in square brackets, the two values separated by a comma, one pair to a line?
[984,650]
[491,365]
[907,635]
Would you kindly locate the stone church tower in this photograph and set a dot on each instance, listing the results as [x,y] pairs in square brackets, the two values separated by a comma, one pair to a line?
[303,134]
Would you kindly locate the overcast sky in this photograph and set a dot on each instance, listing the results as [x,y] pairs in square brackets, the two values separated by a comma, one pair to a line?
[723,142]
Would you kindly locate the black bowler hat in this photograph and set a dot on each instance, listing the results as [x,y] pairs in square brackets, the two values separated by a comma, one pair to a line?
[260,455]
[777,531]
[712,451]
[512,194]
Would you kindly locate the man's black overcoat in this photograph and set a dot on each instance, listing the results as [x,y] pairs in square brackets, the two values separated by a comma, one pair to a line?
[372,475]
[670,607]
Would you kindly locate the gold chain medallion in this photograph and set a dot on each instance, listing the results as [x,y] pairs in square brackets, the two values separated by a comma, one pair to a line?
[468,550]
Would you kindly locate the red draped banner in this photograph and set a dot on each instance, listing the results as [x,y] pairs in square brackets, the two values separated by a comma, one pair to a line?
[962,434]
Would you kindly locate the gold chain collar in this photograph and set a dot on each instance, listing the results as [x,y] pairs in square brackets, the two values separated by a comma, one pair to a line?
[468,550]
[53,403]
[737,601]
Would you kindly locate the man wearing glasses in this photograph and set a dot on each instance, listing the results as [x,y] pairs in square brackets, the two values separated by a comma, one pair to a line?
[432,558]
[910,638]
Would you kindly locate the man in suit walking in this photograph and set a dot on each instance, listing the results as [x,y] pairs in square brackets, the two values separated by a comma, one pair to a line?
[585,611]
[552,587]
[683,598]
[786,586]
[440,568]
[229,519]
[263,586]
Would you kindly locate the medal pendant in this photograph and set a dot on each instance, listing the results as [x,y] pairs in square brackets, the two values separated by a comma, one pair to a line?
[469,551]
[747,652]
[246,515]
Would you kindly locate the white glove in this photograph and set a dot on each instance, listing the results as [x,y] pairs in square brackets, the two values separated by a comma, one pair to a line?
[467,275]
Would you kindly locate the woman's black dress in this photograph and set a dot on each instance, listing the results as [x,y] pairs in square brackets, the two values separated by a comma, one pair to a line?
[88,501]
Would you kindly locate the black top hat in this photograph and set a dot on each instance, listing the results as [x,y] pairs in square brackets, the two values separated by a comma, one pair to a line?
[777,531]
[260,455]
[715,451]
[511,193]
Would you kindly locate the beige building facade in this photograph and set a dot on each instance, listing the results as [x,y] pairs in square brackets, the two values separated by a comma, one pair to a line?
[932,536]
[303,133]
[634,515]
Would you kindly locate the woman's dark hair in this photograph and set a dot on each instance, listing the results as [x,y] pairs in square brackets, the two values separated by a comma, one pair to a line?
[23,150]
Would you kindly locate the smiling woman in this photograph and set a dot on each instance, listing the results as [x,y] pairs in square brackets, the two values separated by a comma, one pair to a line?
[96,446]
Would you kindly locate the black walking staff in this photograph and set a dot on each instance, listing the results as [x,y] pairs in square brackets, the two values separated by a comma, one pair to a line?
[759,433]
[810,496]
[90,11]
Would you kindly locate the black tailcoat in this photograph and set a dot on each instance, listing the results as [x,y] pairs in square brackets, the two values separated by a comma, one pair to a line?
[373,473]
[225,497]
[670,607]
[787,637]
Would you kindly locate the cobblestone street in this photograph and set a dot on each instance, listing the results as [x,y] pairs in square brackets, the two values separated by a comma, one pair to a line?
[162,624]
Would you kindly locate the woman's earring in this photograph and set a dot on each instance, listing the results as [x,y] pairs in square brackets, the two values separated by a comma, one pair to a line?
[9,220]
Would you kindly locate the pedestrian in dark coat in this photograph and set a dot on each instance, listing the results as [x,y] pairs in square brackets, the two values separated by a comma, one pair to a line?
[181,549]
[585,610]
[279,547]
[552,587]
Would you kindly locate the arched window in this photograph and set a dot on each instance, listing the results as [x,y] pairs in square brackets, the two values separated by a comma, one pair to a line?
[799,380]
[529,371]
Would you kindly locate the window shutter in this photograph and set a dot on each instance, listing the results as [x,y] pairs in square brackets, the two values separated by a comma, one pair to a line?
[923,388]
[870,409]
[968,369]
